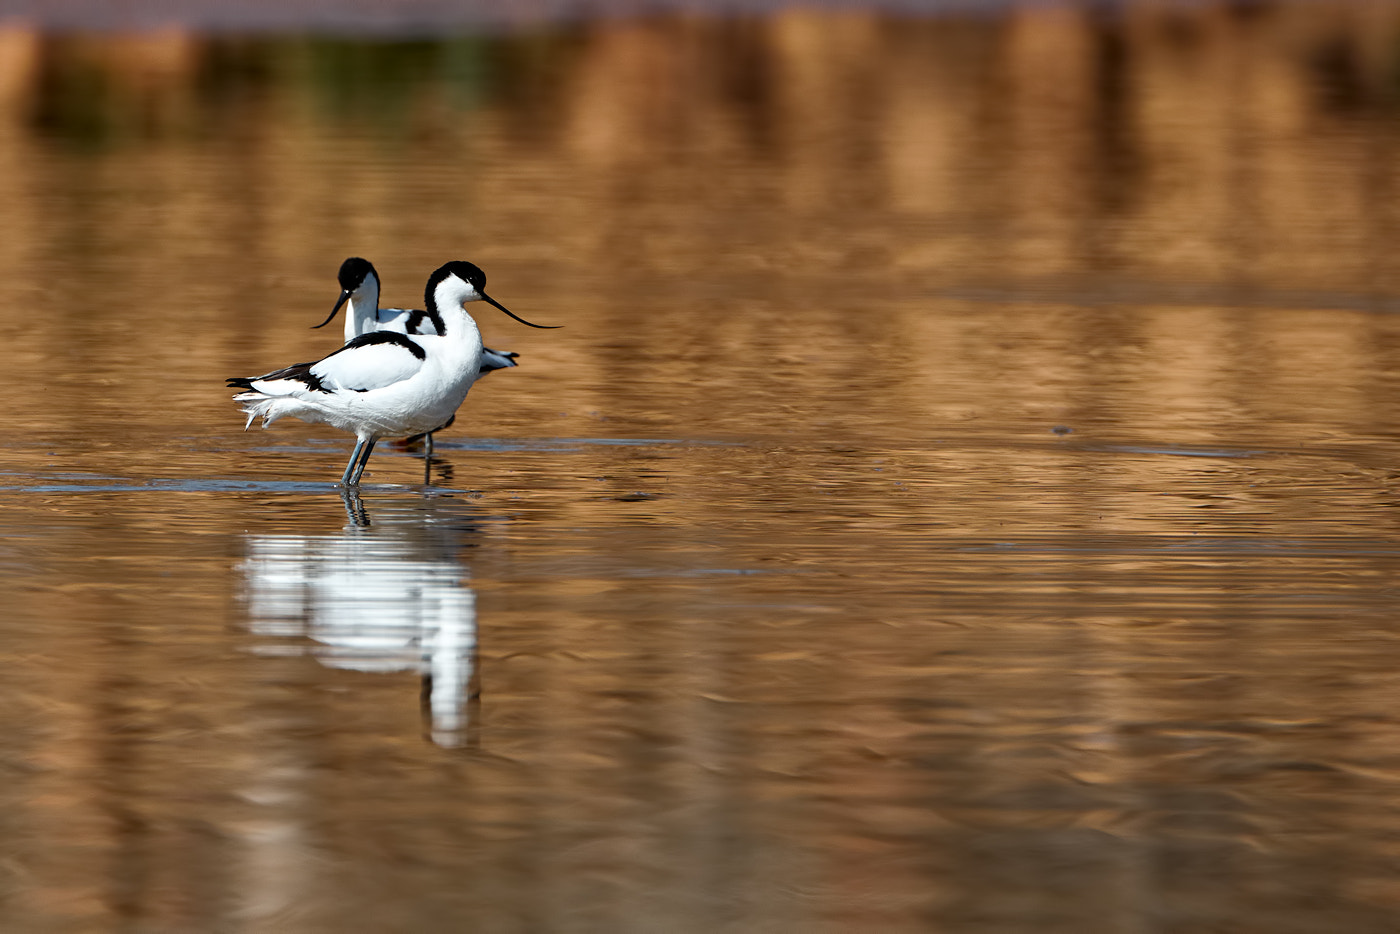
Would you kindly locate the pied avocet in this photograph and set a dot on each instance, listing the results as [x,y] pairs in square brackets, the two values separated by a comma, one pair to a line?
[359,292]
[385,383]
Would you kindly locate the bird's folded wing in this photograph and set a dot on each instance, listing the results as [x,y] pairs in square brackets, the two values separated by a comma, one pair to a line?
[406,321]
[392,319]
[370,361]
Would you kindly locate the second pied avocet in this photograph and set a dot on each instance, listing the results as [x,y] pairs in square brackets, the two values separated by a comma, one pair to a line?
[385,383]
[359,293]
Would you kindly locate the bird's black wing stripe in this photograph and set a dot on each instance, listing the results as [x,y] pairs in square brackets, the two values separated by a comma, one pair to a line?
[416,318]
[300,371]
[382,337]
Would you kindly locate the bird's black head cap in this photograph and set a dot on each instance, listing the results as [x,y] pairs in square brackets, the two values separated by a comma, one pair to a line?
[467,272]
[352,275]
[353,272]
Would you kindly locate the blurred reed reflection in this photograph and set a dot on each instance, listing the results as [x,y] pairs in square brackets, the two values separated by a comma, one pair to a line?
[381,597]
[772,202]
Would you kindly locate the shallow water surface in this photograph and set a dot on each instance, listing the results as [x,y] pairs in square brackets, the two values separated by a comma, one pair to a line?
[954,503]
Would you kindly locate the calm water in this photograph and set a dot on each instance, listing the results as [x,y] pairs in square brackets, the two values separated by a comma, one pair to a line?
[961,498]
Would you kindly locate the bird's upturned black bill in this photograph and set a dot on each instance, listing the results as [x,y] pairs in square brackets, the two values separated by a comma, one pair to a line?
[340,301]
[515,316]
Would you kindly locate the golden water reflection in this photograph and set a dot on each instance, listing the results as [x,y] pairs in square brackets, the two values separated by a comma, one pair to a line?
[961,496]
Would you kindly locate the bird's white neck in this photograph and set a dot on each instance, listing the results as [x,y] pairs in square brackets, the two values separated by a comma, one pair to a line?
[458,327]
[363,314]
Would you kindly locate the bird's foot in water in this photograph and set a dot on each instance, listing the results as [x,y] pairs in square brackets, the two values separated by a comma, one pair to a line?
[415,444]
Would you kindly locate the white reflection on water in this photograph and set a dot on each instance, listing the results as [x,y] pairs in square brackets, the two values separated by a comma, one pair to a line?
[378,598]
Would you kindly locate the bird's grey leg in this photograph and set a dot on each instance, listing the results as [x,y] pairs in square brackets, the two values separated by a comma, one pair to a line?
[428,445]
[364,461]
[350,467]
[358,459]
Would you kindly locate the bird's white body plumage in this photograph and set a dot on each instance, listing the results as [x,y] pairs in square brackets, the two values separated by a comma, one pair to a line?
[384,388]
[376,391]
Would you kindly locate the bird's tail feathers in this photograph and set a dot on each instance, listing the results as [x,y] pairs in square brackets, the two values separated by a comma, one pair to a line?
[257,405]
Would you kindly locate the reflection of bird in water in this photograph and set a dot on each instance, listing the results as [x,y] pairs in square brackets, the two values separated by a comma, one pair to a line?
[385,383]
[383,599]
[359,287]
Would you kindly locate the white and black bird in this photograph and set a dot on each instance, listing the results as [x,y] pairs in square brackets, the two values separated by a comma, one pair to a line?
[385,383]
[359,293]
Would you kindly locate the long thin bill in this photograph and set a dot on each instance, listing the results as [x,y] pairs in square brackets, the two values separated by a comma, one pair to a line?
[340,301]
[515,316]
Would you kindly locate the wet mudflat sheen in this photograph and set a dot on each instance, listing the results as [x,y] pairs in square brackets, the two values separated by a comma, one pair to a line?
[956,501]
